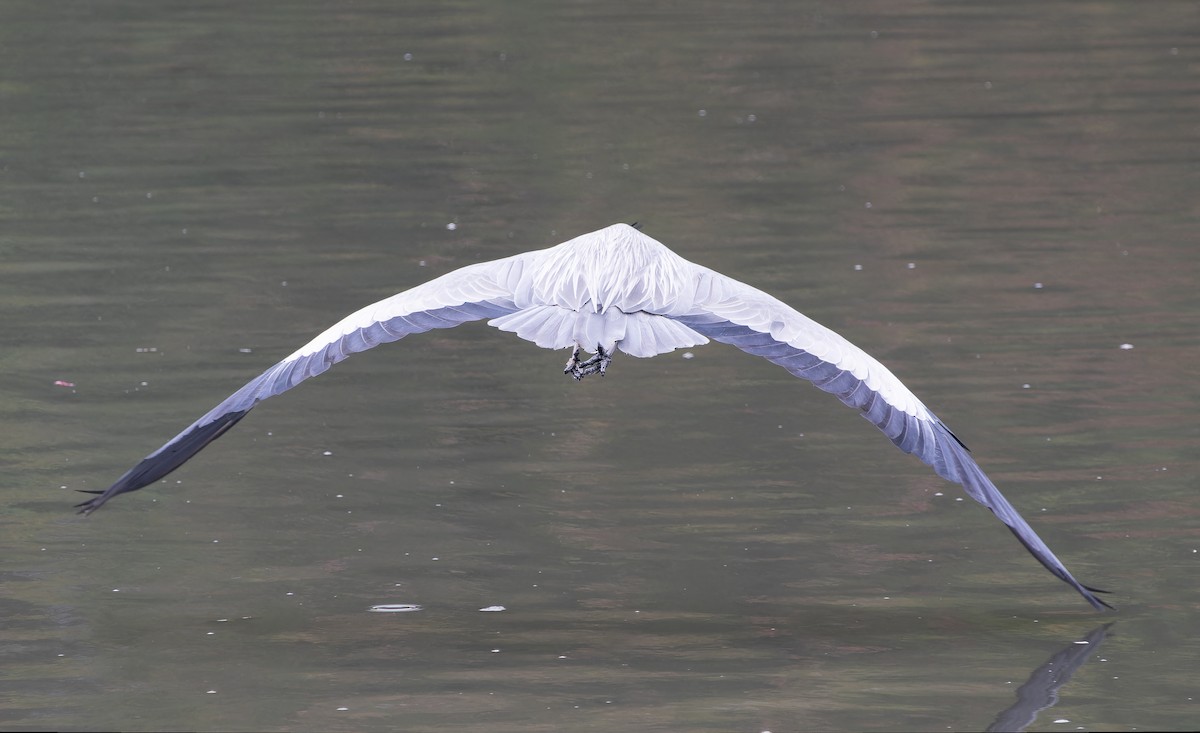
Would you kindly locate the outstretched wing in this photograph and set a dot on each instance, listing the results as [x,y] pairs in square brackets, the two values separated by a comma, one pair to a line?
[468,294]
[735,313]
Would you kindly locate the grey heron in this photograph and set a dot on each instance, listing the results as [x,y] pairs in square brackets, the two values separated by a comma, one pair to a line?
[611,290]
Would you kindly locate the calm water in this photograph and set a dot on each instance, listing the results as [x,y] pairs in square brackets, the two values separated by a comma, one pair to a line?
[992,199]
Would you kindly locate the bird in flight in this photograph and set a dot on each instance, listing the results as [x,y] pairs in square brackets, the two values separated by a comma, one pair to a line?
[612,290]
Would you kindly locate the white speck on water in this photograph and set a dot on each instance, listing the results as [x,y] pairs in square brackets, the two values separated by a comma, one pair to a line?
[210,633]
[343,709]
[408,57]
[493,609]
[858,268]
[1062,720]
[1024,386]
[987,85]
[495,651]
[395,608]
[451,226]
[938,493]
[211,692]
[912,265]
[327,453]
[116,590]
[702,113]
[1037,286]
[1126,347]
[245,351]
[868,205]
[688,355]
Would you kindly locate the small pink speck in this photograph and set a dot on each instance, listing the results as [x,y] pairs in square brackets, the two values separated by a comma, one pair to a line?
[61,383]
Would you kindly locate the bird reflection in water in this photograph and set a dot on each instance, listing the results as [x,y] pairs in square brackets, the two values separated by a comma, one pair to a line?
[1040,691]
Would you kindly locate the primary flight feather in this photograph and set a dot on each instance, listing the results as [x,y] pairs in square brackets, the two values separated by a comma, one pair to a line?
[618,289]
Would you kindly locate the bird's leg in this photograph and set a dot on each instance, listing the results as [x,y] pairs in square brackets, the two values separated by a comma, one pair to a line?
[597,364]
[572,367]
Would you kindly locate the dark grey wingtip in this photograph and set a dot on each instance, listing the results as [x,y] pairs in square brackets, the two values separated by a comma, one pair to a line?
[1060,572]
[163,461]
[1098,603]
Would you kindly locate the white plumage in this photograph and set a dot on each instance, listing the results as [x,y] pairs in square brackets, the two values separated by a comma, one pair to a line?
[617,289]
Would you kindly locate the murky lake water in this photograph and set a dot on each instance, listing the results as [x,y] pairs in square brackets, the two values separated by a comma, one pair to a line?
[992,199]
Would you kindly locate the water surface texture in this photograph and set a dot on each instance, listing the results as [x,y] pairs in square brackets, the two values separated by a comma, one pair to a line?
[999,201]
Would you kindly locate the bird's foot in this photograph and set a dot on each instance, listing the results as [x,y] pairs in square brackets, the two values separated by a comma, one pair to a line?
[598,364]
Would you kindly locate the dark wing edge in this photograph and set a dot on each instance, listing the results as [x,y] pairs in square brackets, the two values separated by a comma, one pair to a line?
[929,440]
[282,377]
